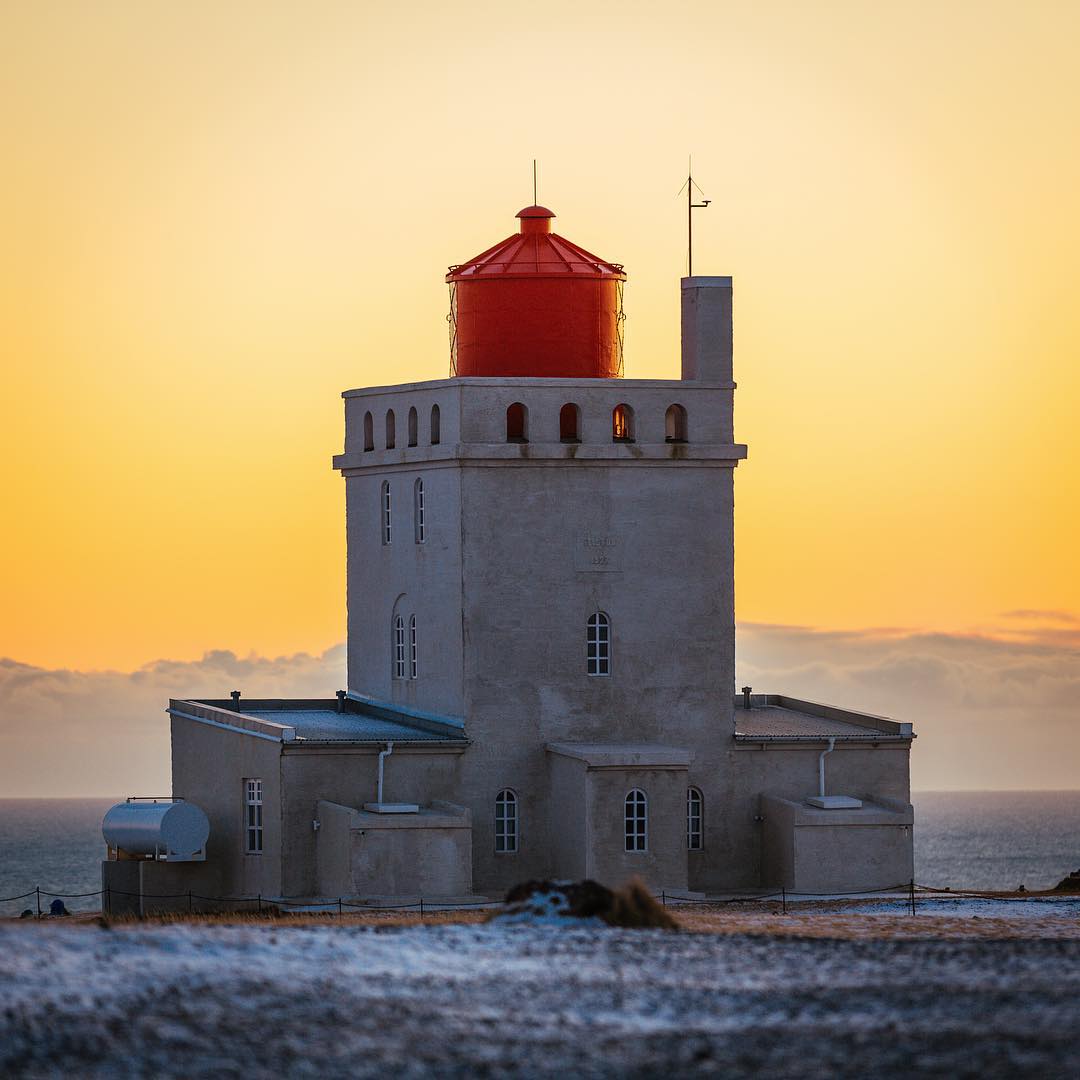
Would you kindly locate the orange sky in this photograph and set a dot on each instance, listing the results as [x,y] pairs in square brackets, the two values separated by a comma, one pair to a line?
[215,217]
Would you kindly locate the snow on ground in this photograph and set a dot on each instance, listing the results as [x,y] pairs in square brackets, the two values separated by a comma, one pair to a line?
[527,1000]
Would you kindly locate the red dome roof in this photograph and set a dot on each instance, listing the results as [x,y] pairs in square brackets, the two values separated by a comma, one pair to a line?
[535,252]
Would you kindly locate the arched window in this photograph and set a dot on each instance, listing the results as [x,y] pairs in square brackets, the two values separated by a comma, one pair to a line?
[517,423]
[570,423]
[675,424]
[435,433]
[598,644]
[412,426]
[412,647]
[390,440]
[695,807]
[384,500]
[419,527]
[636,817]
[399,647]
[506,822]
[369,432]
[622,424]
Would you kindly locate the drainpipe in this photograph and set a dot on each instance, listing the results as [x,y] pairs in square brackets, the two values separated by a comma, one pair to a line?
[383,755]
[820,770]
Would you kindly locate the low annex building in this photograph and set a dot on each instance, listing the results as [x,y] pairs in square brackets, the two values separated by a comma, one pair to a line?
[541,641]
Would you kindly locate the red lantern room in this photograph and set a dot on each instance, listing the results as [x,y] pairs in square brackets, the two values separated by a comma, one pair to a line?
[536,306]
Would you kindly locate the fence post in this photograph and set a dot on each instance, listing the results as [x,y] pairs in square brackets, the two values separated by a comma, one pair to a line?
[912,886]
[260,903]
[108,900]
[37,893]
[339,905]
[190,906]
[783,899]
[663,898]
[421,908]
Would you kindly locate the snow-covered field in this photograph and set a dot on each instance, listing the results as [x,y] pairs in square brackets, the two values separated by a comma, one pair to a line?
[528,1000]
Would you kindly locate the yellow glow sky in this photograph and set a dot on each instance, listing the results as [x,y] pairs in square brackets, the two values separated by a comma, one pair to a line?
[215,217]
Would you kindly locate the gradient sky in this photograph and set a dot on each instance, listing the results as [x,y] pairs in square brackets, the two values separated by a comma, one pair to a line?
[215,217]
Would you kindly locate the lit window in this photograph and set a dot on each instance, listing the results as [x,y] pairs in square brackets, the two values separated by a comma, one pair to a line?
[570,423]
[694,807]
[412,646]
[399,648]
[637,821]
[675,424]
[622,424]
[598,644]
[369,432]
[412,426]
[390,437]
[419,530]
[517,423]
[387,534]
[506,823]
[253,817]
[435,425]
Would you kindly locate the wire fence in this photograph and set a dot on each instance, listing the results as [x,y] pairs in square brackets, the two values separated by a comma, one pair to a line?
[911,892]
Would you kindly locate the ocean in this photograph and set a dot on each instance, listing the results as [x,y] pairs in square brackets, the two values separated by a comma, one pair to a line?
[968,839]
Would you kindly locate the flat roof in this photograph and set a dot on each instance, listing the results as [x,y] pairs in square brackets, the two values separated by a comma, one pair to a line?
[321,720]
[776,717]
[328,725]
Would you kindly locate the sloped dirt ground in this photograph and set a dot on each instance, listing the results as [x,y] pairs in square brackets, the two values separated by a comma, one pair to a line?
[464,1000]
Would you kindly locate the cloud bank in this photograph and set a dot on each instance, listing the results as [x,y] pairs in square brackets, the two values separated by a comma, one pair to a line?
[106,732]
[990,712]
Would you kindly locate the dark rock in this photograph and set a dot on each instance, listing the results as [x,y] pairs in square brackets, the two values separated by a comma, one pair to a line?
[632,905]
[1068,884]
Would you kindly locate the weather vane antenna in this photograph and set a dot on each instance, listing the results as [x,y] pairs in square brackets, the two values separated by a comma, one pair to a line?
[690,186]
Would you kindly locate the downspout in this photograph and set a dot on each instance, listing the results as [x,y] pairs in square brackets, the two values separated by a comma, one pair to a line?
[820,770]
[383,755]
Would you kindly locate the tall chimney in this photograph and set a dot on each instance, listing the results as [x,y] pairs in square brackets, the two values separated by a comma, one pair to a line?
[706,329]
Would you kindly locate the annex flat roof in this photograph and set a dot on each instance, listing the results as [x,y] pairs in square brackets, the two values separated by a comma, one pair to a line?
[299,721]
[777,718]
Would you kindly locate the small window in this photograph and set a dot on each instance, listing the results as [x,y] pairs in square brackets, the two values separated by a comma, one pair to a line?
[598,644]
[506,822]
[435,433]
[570,423]
[637,821]
[419,527]
[412,647]
[369,432]
[253,817]
[694,816]
[399,648]
[675,424]
[622,424]
[390,439]
[517,423]
[412,427]
[384,499]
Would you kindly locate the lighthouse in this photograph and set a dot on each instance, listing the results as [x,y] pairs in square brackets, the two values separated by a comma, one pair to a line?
[541,639]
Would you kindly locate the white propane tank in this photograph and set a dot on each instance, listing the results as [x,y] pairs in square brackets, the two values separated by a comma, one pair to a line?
[175,830]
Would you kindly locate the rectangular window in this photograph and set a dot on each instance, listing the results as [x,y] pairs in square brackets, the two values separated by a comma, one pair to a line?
[386,533]
[412,647]
[418,511]
[253,817]
[399,648]
[598,645]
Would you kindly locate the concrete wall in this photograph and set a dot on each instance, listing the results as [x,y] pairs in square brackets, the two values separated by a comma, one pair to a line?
[209,767]
[806,849]
[348,775]
[663,864]
[733,834]
[363,854]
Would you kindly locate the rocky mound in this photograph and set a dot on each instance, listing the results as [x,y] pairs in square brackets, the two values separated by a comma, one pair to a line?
[631,906]
[1069,884]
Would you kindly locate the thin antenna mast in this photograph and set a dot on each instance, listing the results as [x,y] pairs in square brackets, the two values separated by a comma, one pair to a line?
[534,183]
[689,186]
